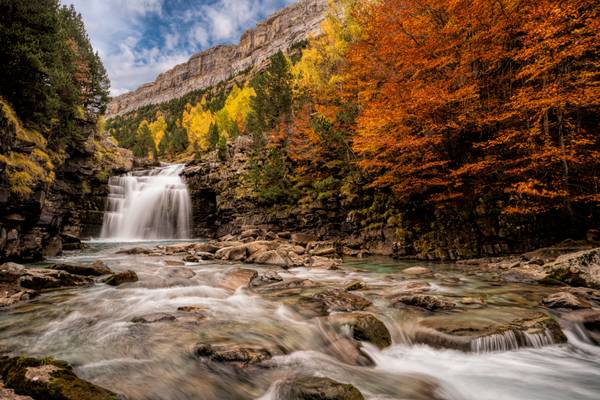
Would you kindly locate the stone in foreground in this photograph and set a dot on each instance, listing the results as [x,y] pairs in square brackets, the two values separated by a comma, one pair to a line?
[48,379]
[121,278]
[316,388]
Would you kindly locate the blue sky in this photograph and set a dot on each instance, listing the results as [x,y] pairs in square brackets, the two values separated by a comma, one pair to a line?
[138,39]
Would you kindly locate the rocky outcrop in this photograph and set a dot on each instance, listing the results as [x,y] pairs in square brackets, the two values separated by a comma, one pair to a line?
[278,32]
[68,207]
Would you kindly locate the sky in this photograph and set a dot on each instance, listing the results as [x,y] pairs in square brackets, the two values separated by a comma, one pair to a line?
[138,39]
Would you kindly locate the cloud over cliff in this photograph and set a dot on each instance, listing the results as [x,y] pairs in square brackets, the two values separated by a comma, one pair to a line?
[138,39]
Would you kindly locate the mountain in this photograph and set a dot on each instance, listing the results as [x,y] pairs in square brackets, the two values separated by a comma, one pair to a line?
[280,31]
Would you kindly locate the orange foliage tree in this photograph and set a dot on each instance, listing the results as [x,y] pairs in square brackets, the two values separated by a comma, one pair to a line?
[466,100]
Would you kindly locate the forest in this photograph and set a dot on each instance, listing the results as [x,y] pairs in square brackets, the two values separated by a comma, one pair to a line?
[459,109]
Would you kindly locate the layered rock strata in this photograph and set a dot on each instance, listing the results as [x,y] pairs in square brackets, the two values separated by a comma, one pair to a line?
[278,32]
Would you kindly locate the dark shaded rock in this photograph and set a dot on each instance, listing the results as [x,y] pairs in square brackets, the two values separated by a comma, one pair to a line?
[426,301]
[98,268]
[232,353]
[238,277]
[364,327]
[565,300]
[192,258]
[316,388]
[355,285]
[11,272]
[121,277]
[70,242]
[153,318]
[49,379]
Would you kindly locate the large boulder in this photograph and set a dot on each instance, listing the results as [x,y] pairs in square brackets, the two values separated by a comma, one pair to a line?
[363,327]
[481,331]
[48,379]
[238,277]
[243,355]
[50,279]
[269,257]
[565,300]
[425,301]
[97,268]
[121,278]
[334,300]
[576,269]
[317,388]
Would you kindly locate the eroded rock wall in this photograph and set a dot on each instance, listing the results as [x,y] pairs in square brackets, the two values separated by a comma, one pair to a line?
[280,31]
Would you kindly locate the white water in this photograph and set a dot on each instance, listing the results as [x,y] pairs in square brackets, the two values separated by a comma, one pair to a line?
[145,205]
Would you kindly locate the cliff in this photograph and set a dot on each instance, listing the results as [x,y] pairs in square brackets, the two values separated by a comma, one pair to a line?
[278,32]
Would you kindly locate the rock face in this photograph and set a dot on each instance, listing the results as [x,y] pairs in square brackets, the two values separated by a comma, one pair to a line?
[278,32]
[72,206]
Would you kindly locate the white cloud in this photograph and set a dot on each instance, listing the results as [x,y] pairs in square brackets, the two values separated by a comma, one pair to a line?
[116,28]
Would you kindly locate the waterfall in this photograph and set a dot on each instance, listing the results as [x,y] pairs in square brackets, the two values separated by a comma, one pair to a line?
[511,340]
[152,204]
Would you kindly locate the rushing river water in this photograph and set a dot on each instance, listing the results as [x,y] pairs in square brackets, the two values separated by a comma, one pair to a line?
[92,328]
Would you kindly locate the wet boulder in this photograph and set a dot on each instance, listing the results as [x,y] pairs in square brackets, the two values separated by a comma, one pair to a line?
[121,278]
[576,269]
[50,279]
[565,300]
[232,353]
[237,277]
[48,379]
[136,251]
[481,331]
[97,268]
[355,285]
[266,278]
[317,388]
[363,327]
[333,300]
[425,301]
[153,318]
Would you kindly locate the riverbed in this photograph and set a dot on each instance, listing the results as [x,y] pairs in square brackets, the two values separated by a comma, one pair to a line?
[93,328]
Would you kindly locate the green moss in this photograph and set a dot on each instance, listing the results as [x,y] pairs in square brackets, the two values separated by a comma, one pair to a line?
[62,385]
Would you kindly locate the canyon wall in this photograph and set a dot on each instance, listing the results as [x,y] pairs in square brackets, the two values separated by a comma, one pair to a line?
[278,32]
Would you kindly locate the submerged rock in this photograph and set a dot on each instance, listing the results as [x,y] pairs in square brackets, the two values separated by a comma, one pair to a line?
[97,268]
[48,379]
[232,353]
[317,388]
[417,271]
[153,318]
[121,278]
[425,301]
[364,328]
[266,279]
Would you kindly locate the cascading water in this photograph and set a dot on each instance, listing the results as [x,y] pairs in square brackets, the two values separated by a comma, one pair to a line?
[152,204]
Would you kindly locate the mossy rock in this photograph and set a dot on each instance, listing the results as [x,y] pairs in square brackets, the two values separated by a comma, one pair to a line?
[49,379]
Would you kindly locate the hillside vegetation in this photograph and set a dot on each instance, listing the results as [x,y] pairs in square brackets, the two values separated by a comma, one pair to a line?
[436,116]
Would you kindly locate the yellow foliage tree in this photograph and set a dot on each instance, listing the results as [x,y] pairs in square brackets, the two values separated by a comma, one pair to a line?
[158,128]
[197,120]
[236,109]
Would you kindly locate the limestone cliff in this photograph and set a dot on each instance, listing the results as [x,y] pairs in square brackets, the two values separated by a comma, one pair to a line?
[280,31]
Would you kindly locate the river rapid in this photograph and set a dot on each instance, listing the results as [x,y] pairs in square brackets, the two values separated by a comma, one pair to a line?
[92,329]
